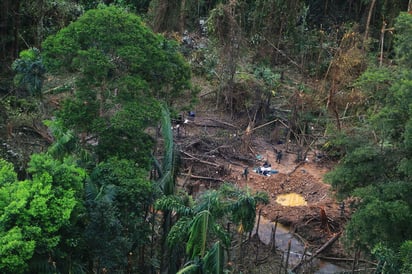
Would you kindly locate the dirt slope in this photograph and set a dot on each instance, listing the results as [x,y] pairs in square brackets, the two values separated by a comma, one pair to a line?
[211,154]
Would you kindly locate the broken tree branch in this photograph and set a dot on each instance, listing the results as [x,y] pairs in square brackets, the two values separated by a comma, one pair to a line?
[199,160]
[216,149]
[202,177]
[224,123]
[345,260]
[282,53]
[322,248]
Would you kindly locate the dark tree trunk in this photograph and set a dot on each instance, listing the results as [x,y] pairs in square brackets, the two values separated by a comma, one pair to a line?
[16,28]
[368,22]
[167,16]
[9,32]
[4,10]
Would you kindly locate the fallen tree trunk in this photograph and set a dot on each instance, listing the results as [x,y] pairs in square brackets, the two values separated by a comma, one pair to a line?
[46,137]
[225,123]
[199,160]
[345,260]
[201,177]
[217,149]
[295,168]
[322,248]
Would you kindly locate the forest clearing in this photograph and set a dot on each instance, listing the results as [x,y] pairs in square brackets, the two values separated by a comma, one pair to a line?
[202,137]
[207,163]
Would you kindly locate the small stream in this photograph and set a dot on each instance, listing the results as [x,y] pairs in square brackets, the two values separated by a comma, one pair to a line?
[283,236]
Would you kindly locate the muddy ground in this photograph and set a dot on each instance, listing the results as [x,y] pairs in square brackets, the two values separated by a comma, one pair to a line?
[211,147]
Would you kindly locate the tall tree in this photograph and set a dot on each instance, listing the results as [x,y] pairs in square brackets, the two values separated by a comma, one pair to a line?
[34,213]
[119,196]
[25,24]
[226,31]
[122,69]
[368,21]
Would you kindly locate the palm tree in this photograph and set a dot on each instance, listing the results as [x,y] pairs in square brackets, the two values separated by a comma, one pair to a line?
[244,205]
[202,223]
[167,177]
[30,71]
[168,169]
[212,262]
[194,229]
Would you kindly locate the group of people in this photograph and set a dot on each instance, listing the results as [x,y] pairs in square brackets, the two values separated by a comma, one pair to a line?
[180,121]
[266,168]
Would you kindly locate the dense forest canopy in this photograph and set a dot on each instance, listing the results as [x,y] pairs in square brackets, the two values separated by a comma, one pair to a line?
[99,82]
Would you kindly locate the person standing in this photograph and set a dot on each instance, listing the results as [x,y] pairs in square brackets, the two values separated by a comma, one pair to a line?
[245,172]
[279,156]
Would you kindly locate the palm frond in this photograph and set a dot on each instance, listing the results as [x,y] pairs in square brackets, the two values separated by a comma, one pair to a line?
[190,269]
[108,193]
[167,180]
[214,260]
[222,234]
[261,198]
[94,193]
[244,211]
[91,190]
[63,139]
[173,203]
[229,190]
[212,201]
[196,244]
[179,232]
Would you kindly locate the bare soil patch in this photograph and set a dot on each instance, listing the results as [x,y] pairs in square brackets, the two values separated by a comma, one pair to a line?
[211,153]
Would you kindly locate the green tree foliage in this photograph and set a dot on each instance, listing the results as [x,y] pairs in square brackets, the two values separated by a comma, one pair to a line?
[106,245]
[387,259]
[363,166]
[384,216]
[388,93]
[109,44]
[33,213]
[379,173]
[393,262]
[123,68]
[15,251]
[406,257]
[118,199]
[375,83]
[7,174]
[138,6]
[30,71]
[202,223]
[169,166]
[403,40]
[242,204]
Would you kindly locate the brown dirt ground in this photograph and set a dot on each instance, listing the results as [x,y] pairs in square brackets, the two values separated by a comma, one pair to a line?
[304,178]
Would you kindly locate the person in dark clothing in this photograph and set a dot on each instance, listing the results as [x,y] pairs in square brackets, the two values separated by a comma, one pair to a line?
[245,172]
[342,209]
[278,156]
